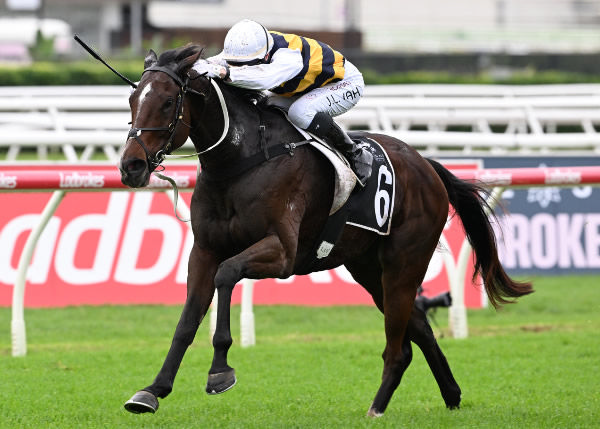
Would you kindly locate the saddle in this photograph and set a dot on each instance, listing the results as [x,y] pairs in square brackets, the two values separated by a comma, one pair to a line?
[369,207]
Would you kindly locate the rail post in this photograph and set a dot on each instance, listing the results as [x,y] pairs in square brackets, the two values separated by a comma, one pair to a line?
[18,332]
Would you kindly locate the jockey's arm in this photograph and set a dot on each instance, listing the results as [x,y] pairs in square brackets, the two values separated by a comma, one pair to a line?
[217,59]
[285,64]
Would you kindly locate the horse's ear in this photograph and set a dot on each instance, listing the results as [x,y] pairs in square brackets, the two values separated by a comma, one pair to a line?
[150,59]
[187,63]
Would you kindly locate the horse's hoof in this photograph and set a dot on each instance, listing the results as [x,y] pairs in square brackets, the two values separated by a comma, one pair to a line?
[220,382]
[452,400]
[373,413]
[142,402]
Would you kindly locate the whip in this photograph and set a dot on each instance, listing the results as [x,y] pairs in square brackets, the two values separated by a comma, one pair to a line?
[99,58]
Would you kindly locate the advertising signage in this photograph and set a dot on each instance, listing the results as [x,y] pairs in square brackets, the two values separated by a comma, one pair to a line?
[549,230]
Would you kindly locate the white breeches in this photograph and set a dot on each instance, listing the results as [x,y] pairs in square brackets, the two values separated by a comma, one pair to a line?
[334,98]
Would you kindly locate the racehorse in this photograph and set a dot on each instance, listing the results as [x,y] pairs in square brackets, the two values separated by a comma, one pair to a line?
[261,201]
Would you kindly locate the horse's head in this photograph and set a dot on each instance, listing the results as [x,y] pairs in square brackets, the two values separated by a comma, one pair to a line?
[160,113]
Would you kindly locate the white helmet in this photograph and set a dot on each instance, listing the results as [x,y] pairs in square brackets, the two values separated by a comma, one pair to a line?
[247,41]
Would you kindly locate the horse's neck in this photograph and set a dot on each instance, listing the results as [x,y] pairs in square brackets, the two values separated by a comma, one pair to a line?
[243,137]
[213,127]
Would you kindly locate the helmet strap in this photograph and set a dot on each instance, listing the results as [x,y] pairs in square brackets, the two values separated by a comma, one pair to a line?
[266,35]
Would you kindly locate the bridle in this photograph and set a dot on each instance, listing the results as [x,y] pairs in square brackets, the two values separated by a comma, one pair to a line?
[155,160]
[235,169]
[165,150]
[134,132]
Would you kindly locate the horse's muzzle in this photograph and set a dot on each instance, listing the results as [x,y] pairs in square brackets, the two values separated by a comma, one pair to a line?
[134,173]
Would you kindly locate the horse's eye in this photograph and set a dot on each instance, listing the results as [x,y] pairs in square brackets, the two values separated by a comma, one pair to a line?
[168,103]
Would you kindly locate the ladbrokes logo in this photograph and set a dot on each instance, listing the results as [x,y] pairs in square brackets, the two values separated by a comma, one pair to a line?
[182,181]
[495,177]
[123,248]
[563,177]
[76,180]
[8,182]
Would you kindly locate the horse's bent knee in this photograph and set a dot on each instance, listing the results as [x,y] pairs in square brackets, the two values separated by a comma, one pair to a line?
[287,269]
[227,275]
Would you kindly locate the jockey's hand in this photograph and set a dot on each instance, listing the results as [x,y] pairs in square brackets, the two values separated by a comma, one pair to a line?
[211,70]
[131,88]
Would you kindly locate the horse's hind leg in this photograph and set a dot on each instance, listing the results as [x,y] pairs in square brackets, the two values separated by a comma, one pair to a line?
[399,296]
[367,272]
[420,332]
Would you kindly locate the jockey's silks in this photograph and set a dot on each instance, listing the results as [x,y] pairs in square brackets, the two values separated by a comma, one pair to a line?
[322,64]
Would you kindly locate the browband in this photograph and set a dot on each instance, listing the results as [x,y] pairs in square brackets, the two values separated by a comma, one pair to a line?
[166,70]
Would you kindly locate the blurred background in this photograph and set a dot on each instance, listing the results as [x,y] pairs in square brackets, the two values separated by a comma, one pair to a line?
[497,37]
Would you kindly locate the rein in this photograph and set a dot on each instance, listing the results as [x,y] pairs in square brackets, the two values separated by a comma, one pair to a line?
[225,125]
[164,152]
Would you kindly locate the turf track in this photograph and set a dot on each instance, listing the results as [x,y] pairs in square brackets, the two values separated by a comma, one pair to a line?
[530,365]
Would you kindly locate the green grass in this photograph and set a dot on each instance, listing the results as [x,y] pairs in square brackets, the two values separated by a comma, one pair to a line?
[530,365]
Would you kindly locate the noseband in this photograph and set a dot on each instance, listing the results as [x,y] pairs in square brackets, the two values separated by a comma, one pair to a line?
[134,132]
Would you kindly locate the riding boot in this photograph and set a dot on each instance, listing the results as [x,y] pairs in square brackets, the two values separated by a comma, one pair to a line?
[360,159]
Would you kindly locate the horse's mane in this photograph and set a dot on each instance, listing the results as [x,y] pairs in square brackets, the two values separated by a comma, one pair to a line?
[174,58]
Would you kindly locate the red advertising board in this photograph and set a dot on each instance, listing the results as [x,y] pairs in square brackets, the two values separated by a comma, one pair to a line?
[128,248]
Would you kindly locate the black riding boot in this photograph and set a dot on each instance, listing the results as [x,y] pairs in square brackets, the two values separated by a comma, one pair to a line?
[360,159]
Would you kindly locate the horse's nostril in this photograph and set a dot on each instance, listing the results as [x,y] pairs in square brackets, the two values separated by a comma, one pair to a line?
[135,166]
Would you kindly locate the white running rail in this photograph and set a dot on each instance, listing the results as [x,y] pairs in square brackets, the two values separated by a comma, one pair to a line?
[436,119]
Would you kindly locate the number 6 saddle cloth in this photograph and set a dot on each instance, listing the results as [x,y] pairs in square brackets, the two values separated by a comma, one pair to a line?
[369,207]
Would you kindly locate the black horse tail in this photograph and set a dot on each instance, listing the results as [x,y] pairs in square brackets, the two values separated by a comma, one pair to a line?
[469,202]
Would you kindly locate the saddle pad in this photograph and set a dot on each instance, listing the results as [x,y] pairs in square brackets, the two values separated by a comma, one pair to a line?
[371,207]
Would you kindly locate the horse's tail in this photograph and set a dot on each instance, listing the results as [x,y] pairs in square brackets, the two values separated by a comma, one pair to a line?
[469,202]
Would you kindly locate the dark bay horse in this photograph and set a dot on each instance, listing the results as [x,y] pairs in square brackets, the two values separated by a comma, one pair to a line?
[259,206]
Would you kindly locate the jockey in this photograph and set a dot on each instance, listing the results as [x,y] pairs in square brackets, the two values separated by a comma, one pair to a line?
[315,81]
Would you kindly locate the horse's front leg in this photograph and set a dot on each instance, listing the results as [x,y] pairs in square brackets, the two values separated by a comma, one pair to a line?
[265,259]
[202,267]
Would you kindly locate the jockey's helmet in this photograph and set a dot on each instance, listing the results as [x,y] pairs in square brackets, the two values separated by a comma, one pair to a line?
[247,42]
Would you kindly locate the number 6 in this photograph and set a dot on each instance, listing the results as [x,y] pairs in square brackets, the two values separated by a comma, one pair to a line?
[382,194]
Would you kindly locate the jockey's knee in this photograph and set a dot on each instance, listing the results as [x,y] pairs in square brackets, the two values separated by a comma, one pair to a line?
[300,115]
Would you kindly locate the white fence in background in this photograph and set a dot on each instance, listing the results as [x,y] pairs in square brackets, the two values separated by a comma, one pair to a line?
[435,119]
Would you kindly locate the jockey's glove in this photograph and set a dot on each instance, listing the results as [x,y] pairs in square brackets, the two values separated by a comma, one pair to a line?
[211,70]
[131,88]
